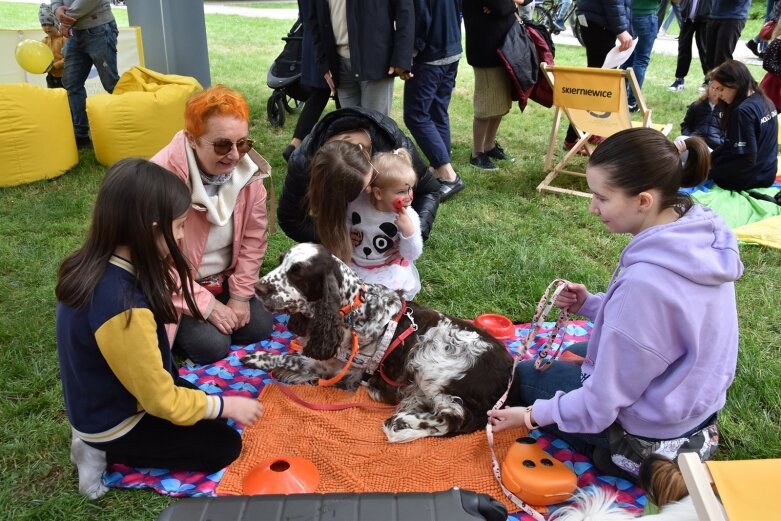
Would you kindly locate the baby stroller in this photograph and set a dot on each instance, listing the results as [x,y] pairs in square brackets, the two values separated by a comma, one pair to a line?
[284,77]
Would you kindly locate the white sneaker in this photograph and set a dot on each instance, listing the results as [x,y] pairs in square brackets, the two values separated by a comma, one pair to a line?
[677,85]
[91,463]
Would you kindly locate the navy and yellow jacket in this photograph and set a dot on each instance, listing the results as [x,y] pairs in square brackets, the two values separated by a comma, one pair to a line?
[116,363]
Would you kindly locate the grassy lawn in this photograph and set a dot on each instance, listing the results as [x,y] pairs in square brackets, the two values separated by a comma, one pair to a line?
[271,4]
[494,248]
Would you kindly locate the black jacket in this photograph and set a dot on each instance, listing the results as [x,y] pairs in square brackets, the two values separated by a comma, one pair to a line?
[613,15]
[700,120]
[485,31]
[381,34]
[293,211]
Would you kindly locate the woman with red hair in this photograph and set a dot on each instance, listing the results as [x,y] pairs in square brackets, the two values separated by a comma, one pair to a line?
[225,233]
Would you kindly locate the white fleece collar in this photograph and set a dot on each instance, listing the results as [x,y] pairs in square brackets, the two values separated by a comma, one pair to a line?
[219,207]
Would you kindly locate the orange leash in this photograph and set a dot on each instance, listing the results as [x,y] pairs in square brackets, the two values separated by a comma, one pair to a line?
[338,376]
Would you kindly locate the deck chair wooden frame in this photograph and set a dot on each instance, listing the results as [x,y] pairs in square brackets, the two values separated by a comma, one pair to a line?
[747,487]
[584,121]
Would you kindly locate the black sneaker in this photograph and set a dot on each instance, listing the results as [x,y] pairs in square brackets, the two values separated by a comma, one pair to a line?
[450,188]
[677,85]
[83,142]
[497,152]
[633,107]
[753,47]
[482,160]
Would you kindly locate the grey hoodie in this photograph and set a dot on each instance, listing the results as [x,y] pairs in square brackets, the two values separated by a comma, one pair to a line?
[88,13]
[665,341]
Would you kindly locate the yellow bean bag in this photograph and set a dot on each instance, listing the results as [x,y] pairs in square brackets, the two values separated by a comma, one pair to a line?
[36,134]
[141,116]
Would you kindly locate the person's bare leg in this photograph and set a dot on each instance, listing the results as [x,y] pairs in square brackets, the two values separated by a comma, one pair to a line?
[489,140]
[479,130]
[445,172]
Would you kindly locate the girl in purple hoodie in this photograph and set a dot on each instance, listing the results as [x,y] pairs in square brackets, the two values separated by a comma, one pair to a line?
[664,346]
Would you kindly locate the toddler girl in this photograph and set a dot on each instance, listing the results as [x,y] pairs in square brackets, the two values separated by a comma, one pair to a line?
[384,229]
[703,119]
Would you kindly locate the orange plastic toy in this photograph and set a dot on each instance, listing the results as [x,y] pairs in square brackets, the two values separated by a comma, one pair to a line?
[288,475]
[534,476]
[498,326]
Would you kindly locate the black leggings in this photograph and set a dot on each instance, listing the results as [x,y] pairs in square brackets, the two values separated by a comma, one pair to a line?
[311,112]
[207,446]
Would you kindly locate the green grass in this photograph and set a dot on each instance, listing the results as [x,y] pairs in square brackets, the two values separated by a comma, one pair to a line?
[494,248]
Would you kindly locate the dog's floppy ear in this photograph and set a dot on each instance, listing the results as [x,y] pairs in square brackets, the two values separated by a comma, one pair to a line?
[298,324]
[325,329]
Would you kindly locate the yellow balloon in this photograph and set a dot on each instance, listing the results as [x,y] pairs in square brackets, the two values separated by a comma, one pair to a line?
[33,56]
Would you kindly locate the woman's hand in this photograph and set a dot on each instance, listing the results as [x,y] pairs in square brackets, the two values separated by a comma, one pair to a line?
[241,409]
[241,310]
[404,222]
[508,418]
[572,297]
[223,318]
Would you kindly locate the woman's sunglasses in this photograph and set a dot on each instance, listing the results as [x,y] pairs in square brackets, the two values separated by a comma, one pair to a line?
[223,147]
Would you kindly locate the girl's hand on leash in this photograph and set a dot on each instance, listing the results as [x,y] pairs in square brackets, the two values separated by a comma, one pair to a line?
[223,318]
[573,297]
[241,409]
[507,418]
[241,309]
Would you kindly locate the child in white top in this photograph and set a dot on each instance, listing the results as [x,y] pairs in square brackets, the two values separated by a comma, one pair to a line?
[384,229]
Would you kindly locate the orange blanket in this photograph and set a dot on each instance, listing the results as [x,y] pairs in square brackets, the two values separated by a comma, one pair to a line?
[352,454]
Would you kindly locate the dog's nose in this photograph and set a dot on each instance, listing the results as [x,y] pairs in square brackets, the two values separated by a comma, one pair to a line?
[262,288]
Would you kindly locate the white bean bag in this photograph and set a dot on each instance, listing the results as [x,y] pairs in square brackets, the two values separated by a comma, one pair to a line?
[141,116]
[36,134]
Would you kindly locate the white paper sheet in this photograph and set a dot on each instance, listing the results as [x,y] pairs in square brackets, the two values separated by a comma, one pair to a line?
[616,58]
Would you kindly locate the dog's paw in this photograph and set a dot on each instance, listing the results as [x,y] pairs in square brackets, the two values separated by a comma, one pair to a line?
[397,430]
[260,360]
[292,377]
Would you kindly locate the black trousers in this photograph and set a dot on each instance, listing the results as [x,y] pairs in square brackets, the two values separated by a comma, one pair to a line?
[721,38]
[205,344]
[311,112]
[207,446]
[691,30]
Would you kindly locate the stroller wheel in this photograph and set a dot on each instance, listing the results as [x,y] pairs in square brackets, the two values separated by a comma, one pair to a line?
[275,109]
[292,104]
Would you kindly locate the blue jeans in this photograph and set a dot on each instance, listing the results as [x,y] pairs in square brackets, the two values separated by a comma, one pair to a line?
[98,46]
[426,101]
[542,385]
[644,28]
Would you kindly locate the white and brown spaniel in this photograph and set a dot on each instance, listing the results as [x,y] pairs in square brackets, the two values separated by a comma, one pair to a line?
[444,373]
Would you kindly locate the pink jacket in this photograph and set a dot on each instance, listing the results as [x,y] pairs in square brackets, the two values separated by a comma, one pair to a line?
[249,231]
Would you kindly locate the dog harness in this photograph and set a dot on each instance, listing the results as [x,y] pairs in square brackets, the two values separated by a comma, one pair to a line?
[347,314]
[386,345]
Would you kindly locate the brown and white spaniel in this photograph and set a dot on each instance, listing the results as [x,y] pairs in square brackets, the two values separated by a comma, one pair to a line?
[444,375]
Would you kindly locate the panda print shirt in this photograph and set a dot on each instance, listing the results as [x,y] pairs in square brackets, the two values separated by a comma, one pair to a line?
[381,254]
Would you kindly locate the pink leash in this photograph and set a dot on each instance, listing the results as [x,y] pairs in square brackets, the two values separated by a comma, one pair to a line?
[544,307]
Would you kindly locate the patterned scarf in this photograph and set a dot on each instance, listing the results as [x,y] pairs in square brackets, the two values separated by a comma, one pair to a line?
[215,179]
